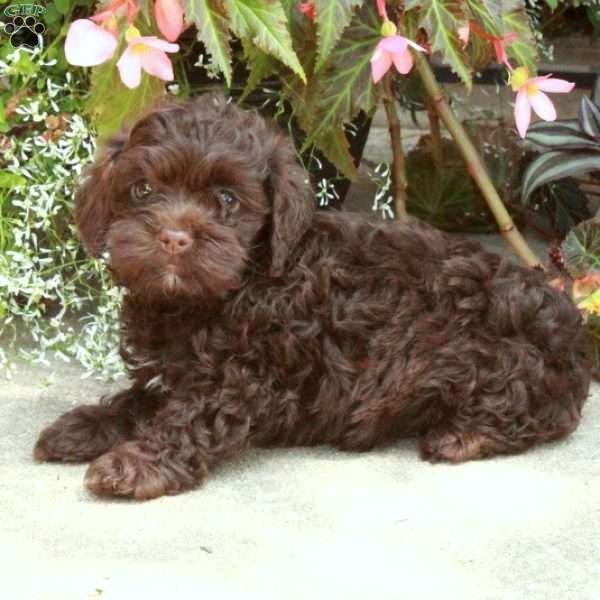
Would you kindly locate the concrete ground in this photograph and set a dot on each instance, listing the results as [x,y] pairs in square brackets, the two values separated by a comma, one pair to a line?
[300,523]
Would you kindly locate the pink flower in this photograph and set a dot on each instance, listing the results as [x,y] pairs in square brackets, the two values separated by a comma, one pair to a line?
[146,53]
[87,44]
[530,94]
[308,9]
[499,42]
[392,49]
[463,34]
[169,18]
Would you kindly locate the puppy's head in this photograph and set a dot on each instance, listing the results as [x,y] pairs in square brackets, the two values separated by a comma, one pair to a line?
[182,201]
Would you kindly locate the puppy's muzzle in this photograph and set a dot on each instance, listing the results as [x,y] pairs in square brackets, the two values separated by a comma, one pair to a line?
[174,241]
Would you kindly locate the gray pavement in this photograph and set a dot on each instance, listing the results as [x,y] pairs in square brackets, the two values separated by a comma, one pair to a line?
[300,523]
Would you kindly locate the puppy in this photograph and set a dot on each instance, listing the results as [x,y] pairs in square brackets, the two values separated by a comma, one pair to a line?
[249,319]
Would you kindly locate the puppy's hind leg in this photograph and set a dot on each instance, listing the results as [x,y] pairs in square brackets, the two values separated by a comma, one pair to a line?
[86,432]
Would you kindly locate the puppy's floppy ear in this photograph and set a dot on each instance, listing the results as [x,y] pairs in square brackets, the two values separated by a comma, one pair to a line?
[292,202]
[92,200]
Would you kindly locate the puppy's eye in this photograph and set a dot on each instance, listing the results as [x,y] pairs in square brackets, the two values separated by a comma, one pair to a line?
[226,198]
[141,189]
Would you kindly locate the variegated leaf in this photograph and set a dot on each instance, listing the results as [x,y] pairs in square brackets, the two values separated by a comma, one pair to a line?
[581,248]
[555,135]
[553,166]
[589,118]
[264,22]
[345,87]
[332,19]
[441,19]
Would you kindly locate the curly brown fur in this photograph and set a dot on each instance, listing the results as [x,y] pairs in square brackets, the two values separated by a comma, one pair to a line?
[260,322]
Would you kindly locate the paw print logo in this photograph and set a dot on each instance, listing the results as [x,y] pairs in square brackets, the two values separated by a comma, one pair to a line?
[25,32]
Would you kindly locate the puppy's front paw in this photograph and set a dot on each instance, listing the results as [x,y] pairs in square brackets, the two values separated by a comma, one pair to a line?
[79,435]
[130,470]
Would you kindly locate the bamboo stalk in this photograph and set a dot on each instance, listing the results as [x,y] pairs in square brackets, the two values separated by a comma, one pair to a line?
[475,165]
[399,181]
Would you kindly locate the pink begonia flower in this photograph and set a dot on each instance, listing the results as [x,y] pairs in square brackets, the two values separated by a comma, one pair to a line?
[88,44]
[530,94]
[169,18]
[392,49]
[146,53]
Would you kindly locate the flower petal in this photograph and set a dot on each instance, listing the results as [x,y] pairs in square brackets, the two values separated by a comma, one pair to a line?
[157,63]
[558,86]
[169,18]
[403,61]
[542,105]
[416,46]
[522,113]
[154,42]
[130,68]
[381,61]
[87,44]
[393,43]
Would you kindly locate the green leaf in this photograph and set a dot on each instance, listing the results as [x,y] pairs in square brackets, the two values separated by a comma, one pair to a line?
[581,248]
[260,64]
[441,19]
[264,22]
[332,19]
[589,118]
[51,15]
[62,6]
[553,4]
[112,105]
[334,145]
[554,135]
[346,86]
[211,22]
[523,49]
[494,10]
[9,180]
[553,166]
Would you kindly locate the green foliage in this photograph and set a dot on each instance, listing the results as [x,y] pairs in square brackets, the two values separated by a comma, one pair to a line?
[332,18]
[264,22]
[581,249]
[211,22]
[441,19]
[46,282]
[344,89]
[523,50]
[111,104]
[578,143]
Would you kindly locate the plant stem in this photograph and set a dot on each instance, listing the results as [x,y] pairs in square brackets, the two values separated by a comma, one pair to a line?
[475,165]
[399,182]
[437,150]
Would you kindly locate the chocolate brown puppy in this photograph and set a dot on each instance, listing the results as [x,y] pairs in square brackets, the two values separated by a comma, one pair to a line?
[251,319]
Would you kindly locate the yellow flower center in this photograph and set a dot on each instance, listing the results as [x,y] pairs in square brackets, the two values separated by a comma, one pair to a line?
[132,33]
[388,29]
[518,78]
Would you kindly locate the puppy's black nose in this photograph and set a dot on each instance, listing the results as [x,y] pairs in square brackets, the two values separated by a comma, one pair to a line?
[174,241]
